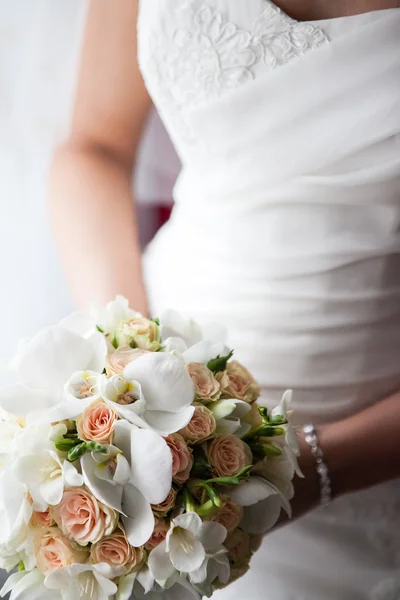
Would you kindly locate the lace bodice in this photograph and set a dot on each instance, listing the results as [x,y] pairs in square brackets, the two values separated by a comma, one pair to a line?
[194,51]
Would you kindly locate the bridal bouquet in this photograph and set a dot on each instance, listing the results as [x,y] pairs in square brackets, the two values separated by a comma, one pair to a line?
[134,461]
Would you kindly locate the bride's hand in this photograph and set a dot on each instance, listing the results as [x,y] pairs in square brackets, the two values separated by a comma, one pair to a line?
[360,451]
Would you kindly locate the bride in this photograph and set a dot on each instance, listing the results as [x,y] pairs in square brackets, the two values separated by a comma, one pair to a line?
[286,228]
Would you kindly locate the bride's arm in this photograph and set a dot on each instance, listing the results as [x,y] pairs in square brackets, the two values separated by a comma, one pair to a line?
[91,178]
[361,451]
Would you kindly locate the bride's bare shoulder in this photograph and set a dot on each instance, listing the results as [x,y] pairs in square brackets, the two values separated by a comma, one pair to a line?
[307,10]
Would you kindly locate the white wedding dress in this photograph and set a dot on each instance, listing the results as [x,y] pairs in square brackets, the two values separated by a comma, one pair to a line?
[287,229]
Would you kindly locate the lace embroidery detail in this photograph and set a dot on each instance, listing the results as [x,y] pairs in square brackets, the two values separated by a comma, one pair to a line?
[206,55]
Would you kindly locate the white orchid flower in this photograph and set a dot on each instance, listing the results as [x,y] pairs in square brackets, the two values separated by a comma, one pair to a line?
[15,515]
[262,503]
[84,582]
[279,471]
[46,363]
[122,395]
[130,482]
[215,568]
[229,415]
[46,475]
[141,586]
[175,326]
[167,392]
[28,586]
[283,409]
[204,351]
[188,546]
[9,433]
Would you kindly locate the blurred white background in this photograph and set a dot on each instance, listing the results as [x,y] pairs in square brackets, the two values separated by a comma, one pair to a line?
[39,53]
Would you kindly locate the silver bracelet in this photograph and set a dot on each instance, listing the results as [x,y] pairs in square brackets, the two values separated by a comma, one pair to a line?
[311,438]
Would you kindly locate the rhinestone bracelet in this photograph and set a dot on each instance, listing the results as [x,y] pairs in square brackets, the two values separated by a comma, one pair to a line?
[311,439]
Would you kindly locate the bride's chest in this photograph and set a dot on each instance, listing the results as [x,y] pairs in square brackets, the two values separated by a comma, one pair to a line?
[191,51]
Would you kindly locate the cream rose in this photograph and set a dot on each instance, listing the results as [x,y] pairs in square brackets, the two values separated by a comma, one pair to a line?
[53,550]
[116,551]
[201,427]
[42,519]
[228,455]
[229,515]
[207,388]
[82,518]
[182,457]
[139,332]
[118,360]
[96,423]
[165,507]
[238,544]
[236,382]
[159,534]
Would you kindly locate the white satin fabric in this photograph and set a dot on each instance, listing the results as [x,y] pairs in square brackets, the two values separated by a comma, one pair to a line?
[286,229]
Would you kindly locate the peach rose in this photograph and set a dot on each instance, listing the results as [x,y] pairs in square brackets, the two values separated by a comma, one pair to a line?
[228,455]
[182,457]
[96,423]
[237,382]
[239,551]
[229,515]
[201,427]
[164,507]
[53,550]
[82,518]
[139,332]
[159,534]
[116,551]
[42,519]
[117,361]
[207,388]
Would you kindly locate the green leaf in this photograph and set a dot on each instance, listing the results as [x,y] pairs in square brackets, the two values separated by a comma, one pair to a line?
[156,320]
[95,447]
[265,450]
[278,420]
[77,452]
[263,410]
[99,329]
[201,467]
[67,444]
[270,431]
[212,494]
[133,344]
[21,566]
[190,505]
[219,364]
[115,341]
[237,479]
[208,509]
